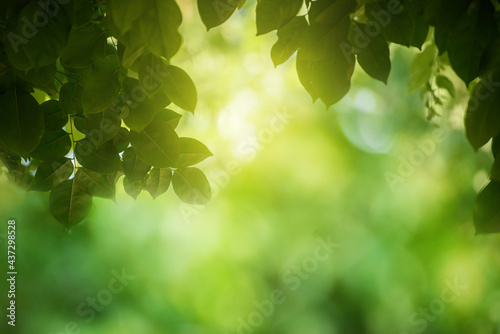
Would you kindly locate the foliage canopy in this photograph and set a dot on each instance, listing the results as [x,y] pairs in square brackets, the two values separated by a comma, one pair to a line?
[106,66]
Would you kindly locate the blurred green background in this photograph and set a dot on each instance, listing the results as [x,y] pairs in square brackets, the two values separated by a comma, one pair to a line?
[286,174]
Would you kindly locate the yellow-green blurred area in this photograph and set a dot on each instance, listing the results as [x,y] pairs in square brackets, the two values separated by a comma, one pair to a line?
[352,220]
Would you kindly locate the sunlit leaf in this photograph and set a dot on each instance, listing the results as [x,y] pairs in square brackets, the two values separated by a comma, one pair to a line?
[133,188]
[159,24]
[191,185]
[134,168]
[157,145]
[192,152]
[158,181]
[289,40]
[69,203]
[179,88]
[96,184]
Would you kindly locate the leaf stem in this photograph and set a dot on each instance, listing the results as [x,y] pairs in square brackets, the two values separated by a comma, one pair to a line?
[71,119]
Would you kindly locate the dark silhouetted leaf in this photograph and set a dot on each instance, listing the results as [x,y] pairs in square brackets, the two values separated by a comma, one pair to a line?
[469,38]
[487,210]
[53,116]
[121,140]
[53,145]
[21,122]
[274,14]
[104,159]
[482,120]
[216,12]
[51,173]
[374,58]
[100,85]
[70,98]
[86,46]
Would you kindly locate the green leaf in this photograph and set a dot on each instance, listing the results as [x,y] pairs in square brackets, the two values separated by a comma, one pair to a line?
[289,40]
[374,58]
[171,117]
[129,54]
[70,98]
[51,173]
[53,116]
[104,159]
[159,24]
[96,184]
[445,83]
[39,77]
[396,24]
[9,80]
[192,152]
[421,67]
[487,210]
[330,12]
[101,85]
[48,36]
[179,88]
[495,147]
[191,185]
[54,145]
[69,203]
[158,181]
[482,120]
[124,13]
[121,140]
[133,188]
[101,127]
[274,14]
[216,12]
[134,168]
[469,38]
[13,41]
[150,72]
[21,122]
[82,12]
[157,145]
[328,79]
[322,41]
[86,46]
[140,110]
